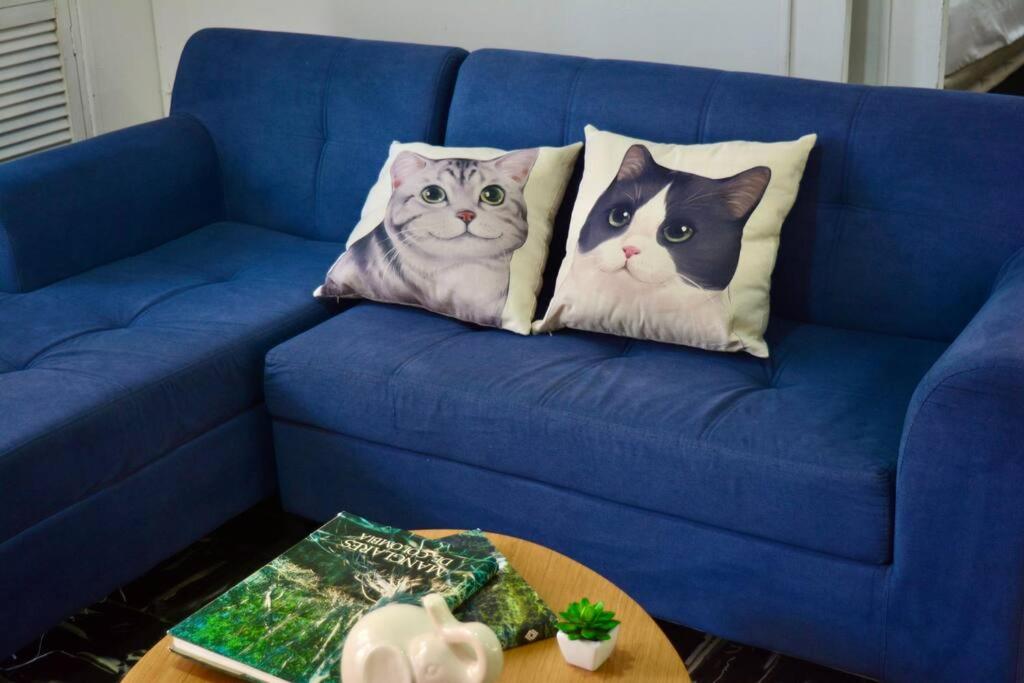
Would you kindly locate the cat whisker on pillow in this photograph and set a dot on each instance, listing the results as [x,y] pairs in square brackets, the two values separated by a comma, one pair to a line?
[391,254]
[691,283]
[412,239]
[390,260]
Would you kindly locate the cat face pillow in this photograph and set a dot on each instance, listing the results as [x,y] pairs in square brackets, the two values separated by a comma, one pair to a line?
[461,232]
[676,243]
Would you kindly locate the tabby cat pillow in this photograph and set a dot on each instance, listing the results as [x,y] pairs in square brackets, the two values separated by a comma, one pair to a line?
[459,231]
[676,243]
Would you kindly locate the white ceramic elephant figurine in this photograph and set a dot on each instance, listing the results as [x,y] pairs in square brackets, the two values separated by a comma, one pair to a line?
[408,644]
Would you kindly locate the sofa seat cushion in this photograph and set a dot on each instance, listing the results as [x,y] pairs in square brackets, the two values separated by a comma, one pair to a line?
[104,372]
[799,448]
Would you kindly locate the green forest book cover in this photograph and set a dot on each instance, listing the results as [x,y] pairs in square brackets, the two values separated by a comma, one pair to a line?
[290,618]
[507,604]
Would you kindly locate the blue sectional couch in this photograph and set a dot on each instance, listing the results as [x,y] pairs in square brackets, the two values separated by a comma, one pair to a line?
[857,499]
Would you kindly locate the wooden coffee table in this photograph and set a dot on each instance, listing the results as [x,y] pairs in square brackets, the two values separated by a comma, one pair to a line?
[642,652]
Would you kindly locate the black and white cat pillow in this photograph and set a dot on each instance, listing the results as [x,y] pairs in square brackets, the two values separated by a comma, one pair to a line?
[463,232]
[676,243]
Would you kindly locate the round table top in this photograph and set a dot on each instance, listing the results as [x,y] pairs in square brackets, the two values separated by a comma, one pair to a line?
[642,652]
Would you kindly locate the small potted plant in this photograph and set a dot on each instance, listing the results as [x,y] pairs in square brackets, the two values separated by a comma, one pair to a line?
[586,634]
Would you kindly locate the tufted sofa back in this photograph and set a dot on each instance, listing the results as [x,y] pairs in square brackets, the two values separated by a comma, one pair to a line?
[910,204]
[301,124]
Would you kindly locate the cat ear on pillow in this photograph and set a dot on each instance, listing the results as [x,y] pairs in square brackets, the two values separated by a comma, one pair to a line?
[517,165]
[404,165]
[743,192]
[634,163]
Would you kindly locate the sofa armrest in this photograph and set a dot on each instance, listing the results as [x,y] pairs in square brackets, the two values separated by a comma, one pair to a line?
[988,356]
[77,207]
[958,557]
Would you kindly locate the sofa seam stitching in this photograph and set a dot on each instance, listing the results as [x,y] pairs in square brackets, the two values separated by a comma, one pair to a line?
[268,129]
[324,94]
[843,195]
[1007,266]
[401,366]
[886,597]
[120,386]
[19,285]
[942,384]
[861,100]
[212,358]
[844,471]
[1020,642]
[165,297]
[570,101]
[899,467]
[14,367]
[550,392]
[434,124]
[393,376]
[763,539]
[216,156]
[709,430]
[705,106]
[42,353]
[138,470]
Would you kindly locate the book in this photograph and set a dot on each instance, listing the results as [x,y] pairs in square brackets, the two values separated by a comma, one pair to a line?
[287,622]
[507,604]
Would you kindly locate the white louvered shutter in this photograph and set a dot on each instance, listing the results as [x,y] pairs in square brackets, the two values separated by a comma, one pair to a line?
[34,111]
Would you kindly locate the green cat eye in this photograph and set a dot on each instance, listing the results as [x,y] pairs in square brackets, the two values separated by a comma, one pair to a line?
[433,194]
[493,195]
[677,233]
[619,216]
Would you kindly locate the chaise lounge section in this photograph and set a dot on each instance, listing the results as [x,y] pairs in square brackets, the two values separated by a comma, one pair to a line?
[144,275]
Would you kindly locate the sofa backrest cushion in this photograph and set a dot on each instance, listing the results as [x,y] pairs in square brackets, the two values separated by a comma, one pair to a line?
[910,203]
[302,123]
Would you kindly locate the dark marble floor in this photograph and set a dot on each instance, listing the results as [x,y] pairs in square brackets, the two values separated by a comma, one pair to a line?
[100,643]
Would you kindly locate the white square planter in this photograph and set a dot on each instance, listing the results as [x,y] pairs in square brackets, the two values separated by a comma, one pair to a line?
[587,654]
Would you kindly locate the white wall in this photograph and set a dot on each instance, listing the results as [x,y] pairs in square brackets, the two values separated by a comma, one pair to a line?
[117,62]
[898,42]
[819,39]
[129,49]
[745,35]
[917,43]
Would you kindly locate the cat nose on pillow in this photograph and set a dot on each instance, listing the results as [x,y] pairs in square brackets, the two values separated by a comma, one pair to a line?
[466,216]
[630,251]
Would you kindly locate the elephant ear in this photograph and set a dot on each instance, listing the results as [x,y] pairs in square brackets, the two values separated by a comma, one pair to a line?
[386,664]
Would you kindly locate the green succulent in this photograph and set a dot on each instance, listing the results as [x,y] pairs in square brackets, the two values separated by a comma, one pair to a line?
[585,620]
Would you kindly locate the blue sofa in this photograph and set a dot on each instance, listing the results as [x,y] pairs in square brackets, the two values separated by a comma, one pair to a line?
[857,499]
